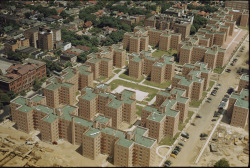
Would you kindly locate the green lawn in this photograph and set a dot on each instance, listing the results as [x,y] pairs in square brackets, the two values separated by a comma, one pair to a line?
[125,76]
[142,102]
[195,103]
[182,125]
[138,110]
[219,70]
[104,79]
[152,92]
[117,71]
[246,28]
[163,85]
[77,93]
[211,84]
[159,53]
[169,140]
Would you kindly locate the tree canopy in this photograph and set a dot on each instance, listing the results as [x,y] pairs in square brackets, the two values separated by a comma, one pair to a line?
[206,8]
[222,163]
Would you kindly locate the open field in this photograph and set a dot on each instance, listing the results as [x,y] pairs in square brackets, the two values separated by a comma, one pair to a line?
[152,92]
[139,94]
[163,85]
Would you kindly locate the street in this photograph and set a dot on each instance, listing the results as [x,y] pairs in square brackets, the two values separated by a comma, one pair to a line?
[193,145]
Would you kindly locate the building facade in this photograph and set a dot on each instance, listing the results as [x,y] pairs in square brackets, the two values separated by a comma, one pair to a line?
[20,77]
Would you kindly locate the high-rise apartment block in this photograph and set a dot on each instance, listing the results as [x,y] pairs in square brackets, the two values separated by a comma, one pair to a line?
[180,24]
[20,77]
[118,107]
[63,89]
[103,61]
[163,118]
[96,136]
[41,37]
[159,69]
[192,52]
[244,82]
[238,108]
[238,5]
[194,79]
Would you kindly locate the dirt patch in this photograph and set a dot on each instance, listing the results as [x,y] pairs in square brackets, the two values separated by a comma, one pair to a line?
[232,144]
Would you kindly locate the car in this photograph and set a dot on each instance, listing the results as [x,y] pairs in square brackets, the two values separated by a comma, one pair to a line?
[230,91]
[203,135]
[175,152]
[168,162]
[216,88]
[185,135]
[232,64]
[198,116]
[226,96]
[235,59]
[173,155]
[208,101]
[180,143]
[228,70]
[213,120]
[218,84]
[178,148]
[209,98]
[238,55]
[214,94]
[203,138]
[193,124]
[225,99]
[215,115]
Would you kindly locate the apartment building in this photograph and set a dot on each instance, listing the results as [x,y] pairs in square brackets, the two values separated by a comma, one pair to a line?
[14,44]
[180,24]
[20,77]
[194,79]
[238,5]
[118,107]
[136,42]
[163,118]
[159,69]
[191,53]
[238,108]
[244,82]
[42,37]
[103,61]
[63,89]
[96,136]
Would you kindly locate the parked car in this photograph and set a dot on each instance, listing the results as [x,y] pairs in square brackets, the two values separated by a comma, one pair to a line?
[218,84]
[213,93]
[226,96]
[203,135]
[168,163]
[209,98]
[180,143]
[230,90]
[175,152]
[193,124]
[178,148]
[232,64]
[198,116]
[208,101]
[173,155]
[185,135]
[228,70]
[225,99]
[203,138]
[213,120]
[216,88]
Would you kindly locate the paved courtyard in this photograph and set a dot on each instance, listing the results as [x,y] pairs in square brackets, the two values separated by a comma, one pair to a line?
[139,94]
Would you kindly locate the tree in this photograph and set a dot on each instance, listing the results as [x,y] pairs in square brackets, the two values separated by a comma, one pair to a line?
[222,163]
[37,84]
[27,14]
[11,94]
[64,14]
[192,30]
[82,57]
[68,64]
[22,93]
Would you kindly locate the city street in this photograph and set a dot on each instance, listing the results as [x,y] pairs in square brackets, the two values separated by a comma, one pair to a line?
[193,145]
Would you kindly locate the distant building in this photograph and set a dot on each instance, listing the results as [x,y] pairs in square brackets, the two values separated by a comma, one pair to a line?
[14,44]
[21,76]
[238,5]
